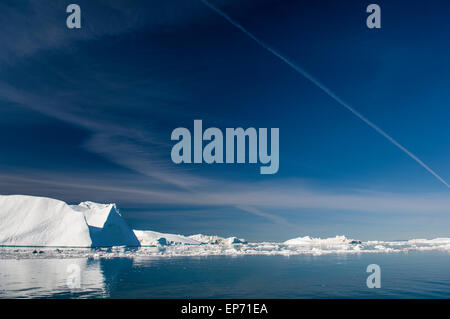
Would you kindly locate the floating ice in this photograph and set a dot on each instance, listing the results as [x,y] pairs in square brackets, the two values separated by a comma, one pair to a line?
[151,238]
[207,239]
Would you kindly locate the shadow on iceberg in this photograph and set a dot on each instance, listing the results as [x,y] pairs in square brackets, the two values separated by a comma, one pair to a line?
[107,227]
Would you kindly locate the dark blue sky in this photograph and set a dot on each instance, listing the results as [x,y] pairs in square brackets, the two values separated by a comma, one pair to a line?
[87,114]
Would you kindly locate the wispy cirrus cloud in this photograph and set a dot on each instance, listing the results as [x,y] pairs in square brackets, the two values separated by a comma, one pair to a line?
[253,198]
[34,26]
[133,145]
[139,149]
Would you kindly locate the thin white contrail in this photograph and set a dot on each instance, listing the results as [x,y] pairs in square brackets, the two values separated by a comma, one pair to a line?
[326,90]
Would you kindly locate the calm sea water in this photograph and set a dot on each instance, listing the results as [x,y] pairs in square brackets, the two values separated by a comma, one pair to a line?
[411,275]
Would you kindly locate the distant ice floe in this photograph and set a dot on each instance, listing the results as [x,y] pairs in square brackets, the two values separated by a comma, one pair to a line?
[37,227]
[152,238]
[205,239]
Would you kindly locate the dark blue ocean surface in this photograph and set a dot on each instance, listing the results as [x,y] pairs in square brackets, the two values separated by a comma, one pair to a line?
[403,275]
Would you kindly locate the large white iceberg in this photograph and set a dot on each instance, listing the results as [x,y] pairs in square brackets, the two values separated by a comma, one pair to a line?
[40,221]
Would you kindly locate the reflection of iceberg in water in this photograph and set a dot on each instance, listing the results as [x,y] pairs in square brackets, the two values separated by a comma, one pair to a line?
[31,278]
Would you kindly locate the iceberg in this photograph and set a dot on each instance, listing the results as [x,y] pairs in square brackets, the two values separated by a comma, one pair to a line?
[41,221]
[337,241]
[216,240]
[152,238]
